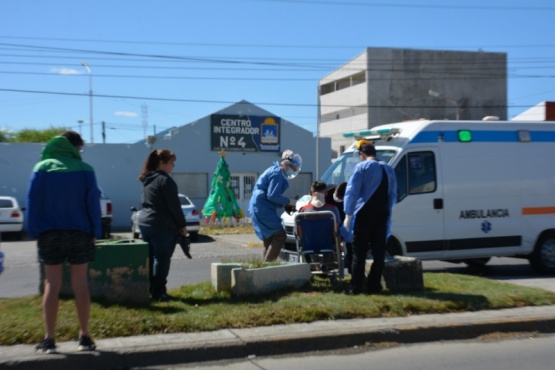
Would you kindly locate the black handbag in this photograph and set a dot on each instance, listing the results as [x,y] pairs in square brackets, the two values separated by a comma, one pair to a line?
[185,245]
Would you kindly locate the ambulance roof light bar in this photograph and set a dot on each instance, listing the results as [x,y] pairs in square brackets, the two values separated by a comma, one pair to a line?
[381,134]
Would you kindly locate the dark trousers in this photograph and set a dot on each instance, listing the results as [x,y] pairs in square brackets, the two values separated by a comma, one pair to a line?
[370,233]
[161,245]
[273,245]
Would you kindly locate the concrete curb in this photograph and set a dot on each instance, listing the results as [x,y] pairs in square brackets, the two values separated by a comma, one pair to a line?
[170,349]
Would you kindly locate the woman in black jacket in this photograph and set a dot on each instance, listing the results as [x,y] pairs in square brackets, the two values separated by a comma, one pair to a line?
[161,219]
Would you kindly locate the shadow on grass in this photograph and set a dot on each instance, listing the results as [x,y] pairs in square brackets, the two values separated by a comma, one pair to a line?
[469,302]
[203,294]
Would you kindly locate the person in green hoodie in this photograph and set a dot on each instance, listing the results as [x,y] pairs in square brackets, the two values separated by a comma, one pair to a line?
[63,214]
[161,219]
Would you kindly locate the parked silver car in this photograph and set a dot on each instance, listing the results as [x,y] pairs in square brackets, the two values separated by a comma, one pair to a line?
[191,213]
[11,216]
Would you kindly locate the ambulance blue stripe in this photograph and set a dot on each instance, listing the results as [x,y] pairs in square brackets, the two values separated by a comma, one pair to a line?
[543,136]
[482,136]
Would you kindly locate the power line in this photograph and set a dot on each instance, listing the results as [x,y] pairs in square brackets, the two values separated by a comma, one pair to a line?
[264,46]
[255,103]
[413,6]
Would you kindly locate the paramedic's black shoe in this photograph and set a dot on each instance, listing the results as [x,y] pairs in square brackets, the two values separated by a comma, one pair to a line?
[164,297]
[353,291]
[374,290]
[48,345]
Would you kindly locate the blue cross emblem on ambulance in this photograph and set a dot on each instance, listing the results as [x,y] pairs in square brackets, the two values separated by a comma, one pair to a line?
[486,226]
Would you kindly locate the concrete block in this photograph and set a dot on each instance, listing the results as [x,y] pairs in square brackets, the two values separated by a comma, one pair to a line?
[221,275]
[245,282]
[401,273]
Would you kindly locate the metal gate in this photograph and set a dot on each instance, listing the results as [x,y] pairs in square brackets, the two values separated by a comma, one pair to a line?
[243,185]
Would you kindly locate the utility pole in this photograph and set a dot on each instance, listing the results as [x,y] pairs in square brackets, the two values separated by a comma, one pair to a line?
[80,122]
[84,64]
[144,114]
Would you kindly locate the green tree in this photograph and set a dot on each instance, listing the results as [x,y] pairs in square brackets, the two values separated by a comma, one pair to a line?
[221,203]
[4,136]
[31,135]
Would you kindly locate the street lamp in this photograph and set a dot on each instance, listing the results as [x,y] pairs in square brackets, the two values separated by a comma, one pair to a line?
[435,94]
[80,122]
[84,64]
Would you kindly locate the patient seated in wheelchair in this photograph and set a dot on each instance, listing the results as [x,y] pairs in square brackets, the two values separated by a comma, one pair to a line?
[318,204]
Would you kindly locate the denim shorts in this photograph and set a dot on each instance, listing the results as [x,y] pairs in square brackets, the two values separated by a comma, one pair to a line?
[57,246]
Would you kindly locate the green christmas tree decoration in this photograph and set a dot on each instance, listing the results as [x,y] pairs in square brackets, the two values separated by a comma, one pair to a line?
[221,203]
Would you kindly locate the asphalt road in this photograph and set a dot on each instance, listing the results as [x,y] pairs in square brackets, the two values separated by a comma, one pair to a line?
[21,269]
[513,352]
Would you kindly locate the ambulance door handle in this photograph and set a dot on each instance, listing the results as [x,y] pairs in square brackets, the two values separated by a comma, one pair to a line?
[438,203]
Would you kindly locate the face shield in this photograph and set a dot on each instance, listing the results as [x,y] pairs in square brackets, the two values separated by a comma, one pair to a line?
[292,166]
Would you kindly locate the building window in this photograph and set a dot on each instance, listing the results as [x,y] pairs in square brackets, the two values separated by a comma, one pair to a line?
[359,78]
[327,88]
[352,80]
[194,185]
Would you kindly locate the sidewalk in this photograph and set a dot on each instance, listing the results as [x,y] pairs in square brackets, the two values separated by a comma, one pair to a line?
[169,349]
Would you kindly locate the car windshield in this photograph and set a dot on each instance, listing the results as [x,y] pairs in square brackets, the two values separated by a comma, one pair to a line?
[341,169]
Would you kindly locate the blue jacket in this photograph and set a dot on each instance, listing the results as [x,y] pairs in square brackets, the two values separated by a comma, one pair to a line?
[266,200]
[63,193]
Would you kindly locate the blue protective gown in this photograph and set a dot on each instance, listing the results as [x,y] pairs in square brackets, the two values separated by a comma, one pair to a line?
[363,182]
[266,200]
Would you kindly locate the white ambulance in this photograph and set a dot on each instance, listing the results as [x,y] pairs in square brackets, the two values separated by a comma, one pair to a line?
[467,190]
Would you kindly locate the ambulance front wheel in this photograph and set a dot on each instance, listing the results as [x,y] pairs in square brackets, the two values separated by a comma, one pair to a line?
[393,247]
[542,259]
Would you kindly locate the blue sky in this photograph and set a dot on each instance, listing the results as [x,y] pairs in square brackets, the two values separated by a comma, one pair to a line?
[166,63]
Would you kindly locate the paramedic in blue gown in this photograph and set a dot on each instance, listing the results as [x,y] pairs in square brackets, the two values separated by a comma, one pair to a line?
[369,199]
[267,198]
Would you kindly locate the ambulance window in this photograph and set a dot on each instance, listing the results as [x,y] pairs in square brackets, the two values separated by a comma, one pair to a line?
[401,173]
[421,172]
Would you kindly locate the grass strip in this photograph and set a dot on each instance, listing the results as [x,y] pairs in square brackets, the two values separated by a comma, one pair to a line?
[199,308]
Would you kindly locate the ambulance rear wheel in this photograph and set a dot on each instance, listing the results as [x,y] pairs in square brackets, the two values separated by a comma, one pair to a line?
[543,258]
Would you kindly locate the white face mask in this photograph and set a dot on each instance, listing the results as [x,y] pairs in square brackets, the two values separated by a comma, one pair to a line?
[289,173]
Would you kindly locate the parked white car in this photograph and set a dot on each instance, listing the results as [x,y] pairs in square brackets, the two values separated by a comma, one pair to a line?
[106,214]
[287,220]
[11,216]
[191,213]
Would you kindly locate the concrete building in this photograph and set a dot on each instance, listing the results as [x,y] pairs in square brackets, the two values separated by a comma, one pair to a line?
[253,139]
[384,85]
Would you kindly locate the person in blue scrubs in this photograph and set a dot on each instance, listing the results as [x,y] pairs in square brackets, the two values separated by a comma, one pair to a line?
[267,198]
[369,199]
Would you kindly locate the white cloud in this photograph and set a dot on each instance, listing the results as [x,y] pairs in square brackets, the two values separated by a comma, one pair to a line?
[126,114]
[65,71]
